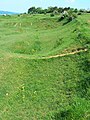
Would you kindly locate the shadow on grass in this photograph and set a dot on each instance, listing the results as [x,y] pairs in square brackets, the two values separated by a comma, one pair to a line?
[83,85]
[63,115]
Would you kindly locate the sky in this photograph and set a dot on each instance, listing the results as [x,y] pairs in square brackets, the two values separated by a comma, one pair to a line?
[23,5]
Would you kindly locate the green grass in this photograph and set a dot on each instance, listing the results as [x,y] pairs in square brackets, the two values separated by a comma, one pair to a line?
[37,89]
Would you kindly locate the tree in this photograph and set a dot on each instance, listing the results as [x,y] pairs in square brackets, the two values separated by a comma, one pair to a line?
[39,10]
[31,10]
[76,10]
[60,9]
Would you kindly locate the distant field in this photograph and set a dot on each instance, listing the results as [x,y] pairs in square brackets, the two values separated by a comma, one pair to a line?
[33,88]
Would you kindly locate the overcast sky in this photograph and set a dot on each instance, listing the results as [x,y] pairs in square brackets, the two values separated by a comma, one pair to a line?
[23,5]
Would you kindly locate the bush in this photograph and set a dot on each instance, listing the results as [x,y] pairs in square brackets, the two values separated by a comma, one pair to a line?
[88,11]
[82,10]
[79,13]
[61,18]
[52,15]
[70,18]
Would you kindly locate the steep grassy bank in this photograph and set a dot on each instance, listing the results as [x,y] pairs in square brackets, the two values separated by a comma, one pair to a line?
[36,89]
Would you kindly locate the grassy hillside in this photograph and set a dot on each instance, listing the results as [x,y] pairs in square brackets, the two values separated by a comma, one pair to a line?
[32,88]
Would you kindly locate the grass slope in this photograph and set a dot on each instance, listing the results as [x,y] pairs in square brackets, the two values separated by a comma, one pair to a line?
[49,89]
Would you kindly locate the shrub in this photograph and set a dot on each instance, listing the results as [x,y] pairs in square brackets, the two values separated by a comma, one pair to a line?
[61,18]
[69,18]
[52,15]
[82,10]
[76,10]
[88,11]
[79,13]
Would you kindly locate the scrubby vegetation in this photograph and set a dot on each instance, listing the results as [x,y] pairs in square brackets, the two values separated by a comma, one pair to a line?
[57,10]
[33,88]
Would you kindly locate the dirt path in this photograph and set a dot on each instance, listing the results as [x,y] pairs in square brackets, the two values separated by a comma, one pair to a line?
[25,56]
[14,55]
[61,55]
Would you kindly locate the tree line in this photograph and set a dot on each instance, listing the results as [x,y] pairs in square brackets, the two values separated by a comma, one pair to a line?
[54,10]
